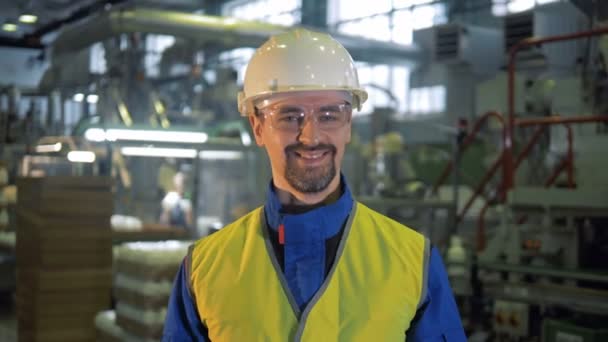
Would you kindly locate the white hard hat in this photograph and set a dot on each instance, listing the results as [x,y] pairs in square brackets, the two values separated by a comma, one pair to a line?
[299,60]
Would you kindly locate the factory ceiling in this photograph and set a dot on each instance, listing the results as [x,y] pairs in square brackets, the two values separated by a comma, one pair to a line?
[68,26]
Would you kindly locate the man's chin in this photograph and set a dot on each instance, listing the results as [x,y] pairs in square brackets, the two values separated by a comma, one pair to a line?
[311,182]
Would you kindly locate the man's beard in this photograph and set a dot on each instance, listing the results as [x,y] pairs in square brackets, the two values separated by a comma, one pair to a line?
[309,179]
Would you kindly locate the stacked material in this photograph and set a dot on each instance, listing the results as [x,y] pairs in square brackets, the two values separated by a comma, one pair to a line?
[64,256]
[145,272]
[7,197]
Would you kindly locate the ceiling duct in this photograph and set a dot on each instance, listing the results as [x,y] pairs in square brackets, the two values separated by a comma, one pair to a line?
[552,19]
[477,47]
[205,29]
[518,27]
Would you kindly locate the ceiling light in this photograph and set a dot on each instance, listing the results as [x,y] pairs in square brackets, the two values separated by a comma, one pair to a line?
[220,155]
[92,98]
[28,18]
[81,156]
[79,97]
[8,27]
[159,152]
[157,136]
[99,134]
[95,134]
[47,148]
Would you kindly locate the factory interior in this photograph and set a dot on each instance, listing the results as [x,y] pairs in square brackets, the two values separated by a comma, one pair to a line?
[121,144]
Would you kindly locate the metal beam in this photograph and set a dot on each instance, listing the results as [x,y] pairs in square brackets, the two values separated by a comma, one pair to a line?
[21,43]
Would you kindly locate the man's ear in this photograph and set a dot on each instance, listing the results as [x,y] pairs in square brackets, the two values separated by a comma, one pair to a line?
[256,126]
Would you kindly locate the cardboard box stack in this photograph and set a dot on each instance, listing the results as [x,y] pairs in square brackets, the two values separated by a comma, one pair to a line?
[64,256]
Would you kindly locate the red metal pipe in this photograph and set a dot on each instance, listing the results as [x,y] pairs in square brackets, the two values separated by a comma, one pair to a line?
[537,134]
[508,163]
[555,120]
[481,229]
[481,235]
[570,156]
[468,140]
[556,173]
[486,178]
[560,167]
[568,162]
[444,175]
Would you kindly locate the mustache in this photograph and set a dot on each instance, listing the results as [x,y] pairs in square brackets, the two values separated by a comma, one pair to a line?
[302,147]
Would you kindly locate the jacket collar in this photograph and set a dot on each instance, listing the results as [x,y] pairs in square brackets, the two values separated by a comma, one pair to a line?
[317,224]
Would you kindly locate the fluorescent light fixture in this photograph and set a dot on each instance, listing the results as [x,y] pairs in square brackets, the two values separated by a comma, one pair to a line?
[28,18]
[48,148]
[78,97]
[156,136]
[81,156]
[221,155]
[95,134]
[159,152]
[9,27]
[99,134]
[92,98]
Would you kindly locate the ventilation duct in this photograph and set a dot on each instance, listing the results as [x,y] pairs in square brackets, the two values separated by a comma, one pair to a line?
[477,47]
[543,21]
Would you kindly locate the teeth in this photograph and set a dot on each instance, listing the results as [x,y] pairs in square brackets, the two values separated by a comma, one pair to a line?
[311,156]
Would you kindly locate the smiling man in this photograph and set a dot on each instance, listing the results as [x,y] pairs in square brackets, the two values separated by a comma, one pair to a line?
[312,264]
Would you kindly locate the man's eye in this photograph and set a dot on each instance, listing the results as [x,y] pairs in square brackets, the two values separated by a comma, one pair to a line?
[328,117]
[289,117]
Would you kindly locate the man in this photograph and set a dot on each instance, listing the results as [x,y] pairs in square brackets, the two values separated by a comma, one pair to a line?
[176,210]
[312,264]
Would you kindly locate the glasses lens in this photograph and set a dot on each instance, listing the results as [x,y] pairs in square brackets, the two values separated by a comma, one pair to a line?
[332,116]
[291,118]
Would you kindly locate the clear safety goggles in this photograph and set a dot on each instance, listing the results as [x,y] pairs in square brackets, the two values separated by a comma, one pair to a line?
[290,117]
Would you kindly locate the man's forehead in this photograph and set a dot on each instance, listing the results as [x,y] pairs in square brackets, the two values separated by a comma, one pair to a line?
[305,97]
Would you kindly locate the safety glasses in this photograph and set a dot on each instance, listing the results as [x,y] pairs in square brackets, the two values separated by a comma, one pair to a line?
[289,117]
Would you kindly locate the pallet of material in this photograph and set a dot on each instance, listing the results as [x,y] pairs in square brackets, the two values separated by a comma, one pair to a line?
[144,276]
[33,304]
[66,280]
[82,334]
[64,256]
[56,196]
[150,261]
[56,226]
[141,300]
[146,324]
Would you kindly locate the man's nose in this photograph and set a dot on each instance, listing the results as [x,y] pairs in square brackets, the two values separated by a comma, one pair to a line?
[310,133]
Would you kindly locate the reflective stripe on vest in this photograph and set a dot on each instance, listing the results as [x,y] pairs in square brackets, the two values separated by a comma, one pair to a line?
[372,292]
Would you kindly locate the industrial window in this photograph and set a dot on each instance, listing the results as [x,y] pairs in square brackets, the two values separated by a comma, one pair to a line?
[156,44]
[238,59]
[504,7]
[97,59]
[281,12]
[427,100]
[386,20]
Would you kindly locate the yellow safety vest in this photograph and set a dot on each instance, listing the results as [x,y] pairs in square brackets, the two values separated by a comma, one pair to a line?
[372,292]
